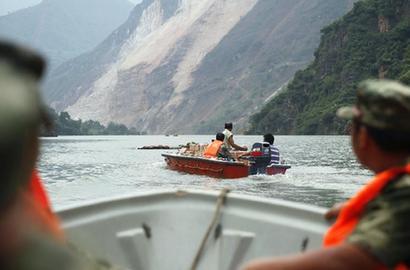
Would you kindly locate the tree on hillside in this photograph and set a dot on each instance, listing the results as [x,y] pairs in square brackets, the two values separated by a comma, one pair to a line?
[371,41]
[64,125]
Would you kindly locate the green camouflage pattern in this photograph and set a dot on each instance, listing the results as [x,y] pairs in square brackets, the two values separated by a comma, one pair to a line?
[19,102]
[20,115]
[40,252]
[382,104]
[383,230]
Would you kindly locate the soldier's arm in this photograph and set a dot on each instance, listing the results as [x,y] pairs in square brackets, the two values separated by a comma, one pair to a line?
[342,257]
[333,212]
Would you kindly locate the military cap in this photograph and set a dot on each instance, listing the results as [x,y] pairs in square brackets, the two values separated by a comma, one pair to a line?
[23,59]
[21,113]
[20,106]
[382,104]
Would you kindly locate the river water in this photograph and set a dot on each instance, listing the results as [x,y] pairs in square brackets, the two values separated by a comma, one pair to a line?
[84,168]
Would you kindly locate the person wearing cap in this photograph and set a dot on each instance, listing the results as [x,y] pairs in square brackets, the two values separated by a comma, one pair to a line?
[31,64]
[23,221]
[31,239]
[372,228]
[228,141]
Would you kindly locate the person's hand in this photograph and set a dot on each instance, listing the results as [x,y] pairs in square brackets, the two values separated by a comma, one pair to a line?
[258,264]
[239,156]
[244,148]
[334,211]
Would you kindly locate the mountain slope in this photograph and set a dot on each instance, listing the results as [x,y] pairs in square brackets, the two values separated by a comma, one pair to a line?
[187,66]
[63,29]
[372,41]
[9,6]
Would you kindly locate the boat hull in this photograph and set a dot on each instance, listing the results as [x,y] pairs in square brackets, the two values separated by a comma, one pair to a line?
[164,229]
[215,168]
[277,169]
[209,167]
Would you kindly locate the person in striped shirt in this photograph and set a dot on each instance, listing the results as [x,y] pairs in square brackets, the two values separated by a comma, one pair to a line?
[275,157]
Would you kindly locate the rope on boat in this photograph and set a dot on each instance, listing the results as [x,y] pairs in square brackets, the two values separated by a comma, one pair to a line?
[217,215]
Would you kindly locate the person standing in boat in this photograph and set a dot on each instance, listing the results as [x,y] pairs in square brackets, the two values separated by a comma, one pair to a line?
[274,151]
[217,148]
[228,141]
[372,228]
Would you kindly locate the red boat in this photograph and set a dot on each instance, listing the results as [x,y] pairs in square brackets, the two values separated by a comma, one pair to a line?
[215,167]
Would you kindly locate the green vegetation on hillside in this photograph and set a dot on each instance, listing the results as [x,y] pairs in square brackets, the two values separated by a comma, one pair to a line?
[371,41]
[64,125]
[283,38]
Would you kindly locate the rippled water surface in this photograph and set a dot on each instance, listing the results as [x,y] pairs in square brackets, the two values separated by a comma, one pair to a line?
[77,169]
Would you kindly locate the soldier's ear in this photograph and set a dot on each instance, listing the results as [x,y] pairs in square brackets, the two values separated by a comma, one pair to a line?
[363,138]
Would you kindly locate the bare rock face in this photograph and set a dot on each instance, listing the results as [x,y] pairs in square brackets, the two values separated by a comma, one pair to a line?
[187,66]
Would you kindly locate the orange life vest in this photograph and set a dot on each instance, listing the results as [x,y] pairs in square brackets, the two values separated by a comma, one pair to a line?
[213,149]
[40,207]
[29,212]
[352,211]
[38,191]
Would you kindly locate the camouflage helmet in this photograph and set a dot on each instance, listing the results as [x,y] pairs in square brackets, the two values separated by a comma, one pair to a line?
[19,102]
[381,104]
[20,114]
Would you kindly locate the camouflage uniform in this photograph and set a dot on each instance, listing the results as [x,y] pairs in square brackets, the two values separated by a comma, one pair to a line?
[384,228]
[39,252]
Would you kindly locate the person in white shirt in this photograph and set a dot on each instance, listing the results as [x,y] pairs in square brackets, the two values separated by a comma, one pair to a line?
[228,141]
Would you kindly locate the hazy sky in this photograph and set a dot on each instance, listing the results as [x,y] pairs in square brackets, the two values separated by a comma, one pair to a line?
[7,6]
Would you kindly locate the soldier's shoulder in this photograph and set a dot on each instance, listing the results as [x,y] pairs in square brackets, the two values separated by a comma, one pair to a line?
[39,252]
[401,182]
[42,253]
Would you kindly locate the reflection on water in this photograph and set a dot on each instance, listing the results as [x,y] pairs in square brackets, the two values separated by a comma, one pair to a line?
[75,169]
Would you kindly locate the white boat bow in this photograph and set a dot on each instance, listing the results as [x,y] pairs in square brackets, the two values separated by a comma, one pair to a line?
[164,230]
